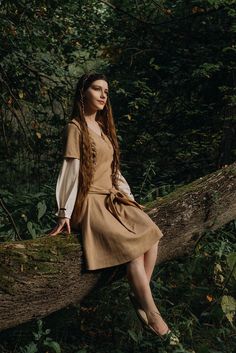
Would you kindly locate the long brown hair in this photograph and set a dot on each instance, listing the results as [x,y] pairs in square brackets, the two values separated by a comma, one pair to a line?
[105,119]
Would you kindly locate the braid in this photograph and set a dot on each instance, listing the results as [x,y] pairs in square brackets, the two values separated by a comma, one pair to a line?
[87,146]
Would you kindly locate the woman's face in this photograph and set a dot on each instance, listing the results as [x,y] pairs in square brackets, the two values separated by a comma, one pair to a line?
[96,95]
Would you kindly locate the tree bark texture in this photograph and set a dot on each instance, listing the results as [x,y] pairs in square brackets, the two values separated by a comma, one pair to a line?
[41,276]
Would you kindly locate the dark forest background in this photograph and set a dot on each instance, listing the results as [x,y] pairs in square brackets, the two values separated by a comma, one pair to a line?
[171,68]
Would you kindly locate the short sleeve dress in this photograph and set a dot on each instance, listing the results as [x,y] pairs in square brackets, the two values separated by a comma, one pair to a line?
[114,227]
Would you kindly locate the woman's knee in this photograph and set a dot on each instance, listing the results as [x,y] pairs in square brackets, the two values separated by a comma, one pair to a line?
[156,244]
[153,248]
[138,261]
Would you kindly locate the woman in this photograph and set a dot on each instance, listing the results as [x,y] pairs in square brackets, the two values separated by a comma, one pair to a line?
[93,196]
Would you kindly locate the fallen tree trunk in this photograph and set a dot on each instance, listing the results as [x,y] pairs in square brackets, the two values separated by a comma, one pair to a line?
[38,277]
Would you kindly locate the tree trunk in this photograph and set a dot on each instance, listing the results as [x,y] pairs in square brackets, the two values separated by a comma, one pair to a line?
[38,277]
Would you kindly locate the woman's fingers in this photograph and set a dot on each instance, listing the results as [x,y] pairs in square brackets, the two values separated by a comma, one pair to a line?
[68,226]
[53,231]
[57,229]
[62,222]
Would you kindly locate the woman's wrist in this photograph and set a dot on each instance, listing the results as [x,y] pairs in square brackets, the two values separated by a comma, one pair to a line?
[63,213]
[63,217]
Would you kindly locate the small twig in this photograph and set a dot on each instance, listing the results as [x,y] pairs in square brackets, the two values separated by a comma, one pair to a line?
[38,73]
[114,7]
[16,100]
[206,12]
[9,216]
[146,176]
[4,135]
[19,121]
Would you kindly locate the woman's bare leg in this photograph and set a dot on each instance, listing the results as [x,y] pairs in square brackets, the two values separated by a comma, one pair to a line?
[150,257]
[139,283]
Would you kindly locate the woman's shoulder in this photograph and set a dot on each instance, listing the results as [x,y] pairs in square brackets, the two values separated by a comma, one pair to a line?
[73,124]
[71,140]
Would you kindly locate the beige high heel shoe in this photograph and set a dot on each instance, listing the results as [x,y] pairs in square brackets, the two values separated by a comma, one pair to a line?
[169,337]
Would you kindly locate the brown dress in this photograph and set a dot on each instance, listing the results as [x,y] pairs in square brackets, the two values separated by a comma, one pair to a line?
[114,228]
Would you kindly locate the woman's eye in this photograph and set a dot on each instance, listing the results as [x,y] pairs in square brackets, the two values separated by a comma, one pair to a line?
[98,89]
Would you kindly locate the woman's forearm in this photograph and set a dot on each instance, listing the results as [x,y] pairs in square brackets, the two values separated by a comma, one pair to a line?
[66,188]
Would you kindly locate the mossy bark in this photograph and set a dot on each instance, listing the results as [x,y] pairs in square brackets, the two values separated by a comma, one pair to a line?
[41,276]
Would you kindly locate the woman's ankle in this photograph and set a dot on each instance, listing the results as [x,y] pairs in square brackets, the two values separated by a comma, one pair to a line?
[153,315]
[155,318]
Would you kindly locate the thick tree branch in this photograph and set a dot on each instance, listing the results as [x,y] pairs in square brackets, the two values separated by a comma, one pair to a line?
[38,277]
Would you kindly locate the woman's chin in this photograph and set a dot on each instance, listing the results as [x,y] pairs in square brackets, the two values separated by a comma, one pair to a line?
[100,108]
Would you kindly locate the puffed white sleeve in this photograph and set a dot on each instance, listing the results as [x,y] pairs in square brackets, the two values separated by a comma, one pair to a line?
[124,186]
[67,186]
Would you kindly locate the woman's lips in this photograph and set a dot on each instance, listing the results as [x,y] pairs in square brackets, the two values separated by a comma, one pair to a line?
[101,102]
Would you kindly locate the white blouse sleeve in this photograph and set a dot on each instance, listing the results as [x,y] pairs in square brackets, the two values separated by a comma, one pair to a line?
[66,188]
[124,186]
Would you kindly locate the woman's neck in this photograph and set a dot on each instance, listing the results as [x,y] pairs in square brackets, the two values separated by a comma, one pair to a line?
[90,115]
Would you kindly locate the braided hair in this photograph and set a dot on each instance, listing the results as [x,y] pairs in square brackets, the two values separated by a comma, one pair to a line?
[88,153]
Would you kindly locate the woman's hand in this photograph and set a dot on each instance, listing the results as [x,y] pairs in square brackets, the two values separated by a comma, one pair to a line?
[62,222]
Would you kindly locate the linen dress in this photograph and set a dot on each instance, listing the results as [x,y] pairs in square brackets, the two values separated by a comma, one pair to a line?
[114,227]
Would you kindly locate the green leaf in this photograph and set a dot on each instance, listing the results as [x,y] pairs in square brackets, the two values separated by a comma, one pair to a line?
[228,305]
[54,345]
[231,261]
[133,335]
[31,229]
[30,348]
[41,209]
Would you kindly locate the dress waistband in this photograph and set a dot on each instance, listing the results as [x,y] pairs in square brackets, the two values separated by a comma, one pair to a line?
[115,197]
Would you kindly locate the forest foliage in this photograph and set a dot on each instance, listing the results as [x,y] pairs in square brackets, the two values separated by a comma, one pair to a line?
[171,69]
